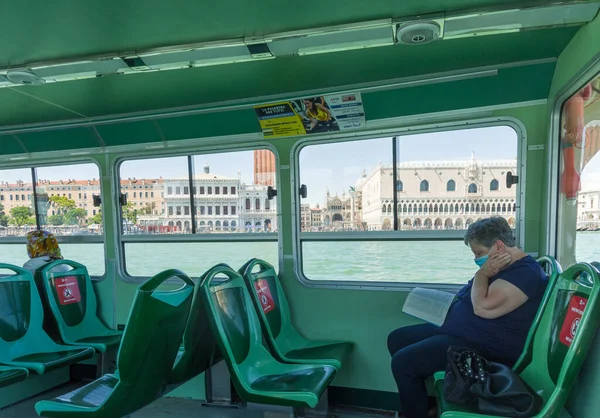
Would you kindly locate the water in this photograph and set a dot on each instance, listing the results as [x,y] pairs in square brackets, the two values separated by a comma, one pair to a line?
[400,261]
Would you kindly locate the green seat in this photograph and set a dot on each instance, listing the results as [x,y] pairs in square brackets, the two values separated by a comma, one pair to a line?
[559,344]
[256,375]
[10,375]
[553,269]
[23,342]
[73,303]
[150,342]
[198,352]
[285,342]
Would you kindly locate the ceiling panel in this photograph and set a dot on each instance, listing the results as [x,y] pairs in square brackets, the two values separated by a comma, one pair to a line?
[44,30]
[245,81]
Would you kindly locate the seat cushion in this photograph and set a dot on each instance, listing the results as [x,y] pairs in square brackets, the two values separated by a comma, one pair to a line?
[333,354]
[9,376]
[312,379]
[54,360]
[91,395]
[109,341]
[443,404]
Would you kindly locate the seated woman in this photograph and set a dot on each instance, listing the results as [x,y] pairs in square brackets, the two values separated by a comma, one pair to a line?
[42,249]
[492,314]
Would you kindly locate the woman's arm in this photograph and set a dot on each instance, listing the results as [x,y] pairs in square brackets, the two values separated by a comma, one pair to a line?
[499,298]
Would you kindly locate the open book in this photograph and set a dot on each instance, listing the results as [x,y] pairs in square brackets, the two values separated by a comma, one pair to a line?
[428,304]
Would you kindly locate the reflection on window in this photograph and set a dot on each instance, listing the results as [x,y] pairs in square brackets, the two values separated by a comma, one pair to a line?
[439,185]
[220,183]
[579,177]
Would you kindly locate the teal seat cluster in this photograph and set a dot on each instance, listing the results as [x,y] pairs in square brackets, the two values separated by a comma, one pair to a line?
[558,341]
[23,342]
[148,349]
[171,337]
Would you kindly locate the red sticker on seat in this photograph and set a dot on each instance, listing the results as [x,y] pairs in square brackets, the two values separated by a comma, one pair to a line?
[67,290]
[264,295]
[572,320]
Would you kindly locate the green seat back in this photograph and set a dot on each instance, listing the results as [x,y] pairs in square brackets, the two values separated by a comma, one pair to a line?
[49,324]
[73,302]
[565,332]
[553,269]
[272,307]
[21,318]
[256,375]
[148,348]
[198,351]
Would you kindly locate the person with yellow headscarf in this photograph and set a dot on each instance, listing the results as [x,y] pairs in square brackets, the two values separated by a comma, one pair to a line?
[42,248]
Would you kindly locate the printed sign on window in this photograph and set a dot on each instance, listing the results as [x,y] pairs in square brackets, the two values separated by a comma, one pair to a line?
[67,290]
[264,295]
[572,320]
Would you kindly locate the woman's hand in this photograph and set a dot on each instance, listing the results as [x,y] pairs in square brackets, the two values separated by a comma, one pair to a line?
[494,264]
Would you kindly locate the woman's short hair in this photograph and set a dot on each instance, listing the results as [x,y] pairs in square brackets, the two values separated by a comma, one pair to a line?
[487,231]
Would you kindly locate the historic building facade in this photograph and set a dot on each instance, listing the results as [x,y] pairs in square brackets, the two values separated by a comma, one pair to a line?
[437,195]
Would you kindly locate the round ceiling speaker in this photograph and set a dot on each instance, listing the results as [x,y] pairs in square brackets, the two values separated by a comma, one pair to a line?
[417,33]
[24,77]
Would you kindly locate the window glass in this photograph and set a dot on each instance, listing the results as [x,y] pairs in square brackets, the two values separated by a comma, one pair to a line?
[445,181]
[579,177]
[64,206]
[214,204]
[163,212]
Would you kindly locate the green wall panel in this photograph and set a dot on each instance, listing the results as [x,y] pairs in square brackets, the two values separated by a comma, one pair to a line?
[129,133]
[61,139]
[207,125]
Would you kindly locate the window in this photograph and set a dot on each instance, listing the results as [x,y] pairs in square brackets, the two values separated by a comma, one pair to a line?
[494,185]
[451,186]
[472,188]
[211,211]
[399,186]
[169,190]
[78,231]
[356,194]
[578,177]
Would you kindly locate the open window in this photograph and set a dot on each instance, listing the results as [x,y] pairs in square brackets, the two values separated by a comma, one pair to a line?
[194,211]
[356,227]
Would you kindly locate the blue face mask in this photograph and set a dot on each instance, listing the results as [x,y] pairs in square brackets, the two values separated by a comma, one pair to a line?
[481,260]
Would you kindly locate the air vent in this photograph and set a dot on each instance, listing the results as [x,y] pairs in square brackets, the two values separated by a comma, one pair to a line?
[24,77]
[416,33]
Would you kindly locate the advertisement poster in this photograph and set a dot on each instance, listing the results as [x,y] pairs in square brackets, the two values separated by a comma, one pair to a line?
[312,115]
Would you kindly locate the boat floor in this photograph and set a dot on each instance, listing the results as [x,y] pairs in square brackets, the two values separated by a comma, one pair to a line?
[184,408]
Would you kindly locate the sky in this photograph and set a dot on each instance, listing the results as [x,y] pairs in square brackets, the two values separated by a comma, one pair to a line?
[336,166]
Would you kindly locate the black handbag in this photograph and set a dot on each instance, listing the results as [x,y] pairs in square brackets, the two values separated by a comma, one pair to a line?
[489,387]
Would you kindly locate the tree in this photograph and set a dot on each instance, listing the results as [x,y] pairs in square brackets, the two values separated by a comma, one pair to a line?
[22,215]
[149,208]
[129,213]
[97,218]
[75,216]
[62,204]
[56,220]
[3,216]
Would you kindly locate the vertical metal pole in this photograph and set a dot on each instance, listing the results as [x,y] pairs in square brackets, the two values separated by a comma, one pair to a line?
[192,203]
[395,175]
[35,207]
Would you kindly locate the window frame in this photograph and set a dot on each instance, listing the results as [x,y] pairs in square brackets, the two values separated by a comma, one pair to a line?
[300,237]
[121,239]
[63,239]
[589,72]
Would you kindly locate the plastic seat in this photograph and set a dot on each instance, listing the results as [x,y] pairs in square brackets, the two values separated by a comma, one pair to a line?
[73,303]
[285,342]
[559,345]
[256,375]
[10,375]
[553,269]
[199,351]
[23,342]
[150,342]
